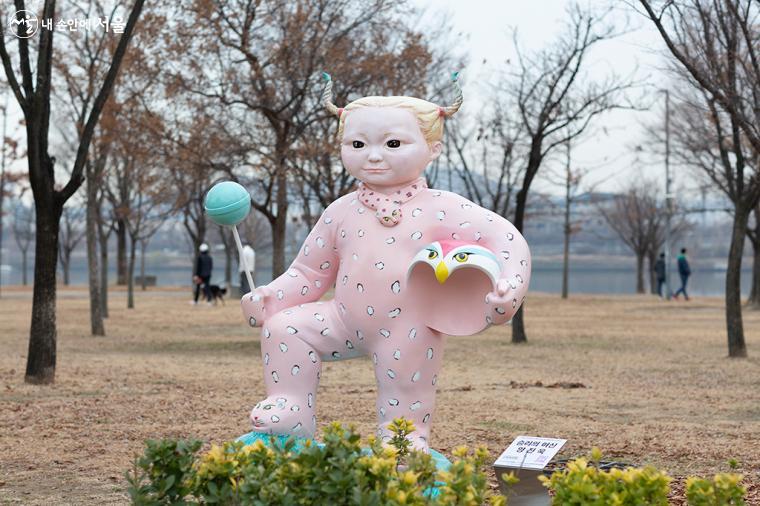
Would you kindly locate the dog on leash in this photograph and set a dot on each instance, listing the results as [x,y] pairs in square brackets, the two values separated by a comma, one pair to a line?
[217,293]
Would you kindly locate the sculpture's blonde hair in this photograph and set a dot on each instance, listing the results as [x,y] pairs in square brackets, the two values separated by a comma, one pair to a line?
[429,115]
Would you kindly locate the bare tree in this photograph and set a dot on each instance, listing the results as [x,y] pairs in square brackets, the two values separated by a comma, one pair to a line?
[70,235]
[556,101]
[33,95]
[23,233]
[715,45]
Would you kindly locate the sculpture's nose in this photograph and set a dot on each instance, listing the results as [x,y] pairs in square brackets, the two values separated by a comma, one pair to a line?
[375,155]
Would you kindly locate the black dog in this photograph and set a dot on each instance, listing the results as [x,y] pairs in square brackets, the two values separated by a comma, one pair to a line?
[217,293]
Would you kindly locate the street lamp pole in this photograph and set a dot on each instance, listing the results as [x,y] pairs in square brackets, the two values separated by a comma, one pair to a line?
[668,196]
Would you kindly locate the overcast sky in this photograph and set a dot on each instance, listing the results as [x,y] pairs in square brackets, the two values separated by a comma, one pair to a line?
[486,28]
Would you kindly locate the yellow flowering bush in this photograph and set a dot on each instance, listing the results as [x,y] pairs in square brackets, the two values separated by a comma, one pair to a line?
[723,489]
[339,472]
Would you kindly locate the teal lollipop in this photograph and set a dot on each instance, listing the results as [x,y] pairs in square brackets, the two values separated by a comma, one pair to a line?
[228,203]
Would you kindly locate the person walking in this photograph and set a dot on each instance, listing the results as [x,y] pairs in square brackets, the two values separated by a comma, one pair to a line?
[659,271]
[684,271]
[203,267]
[249,255]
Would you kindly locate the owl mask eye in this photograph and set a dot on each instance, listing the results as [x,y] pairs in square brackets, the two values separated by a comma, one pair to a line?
[432,255]
[461,257]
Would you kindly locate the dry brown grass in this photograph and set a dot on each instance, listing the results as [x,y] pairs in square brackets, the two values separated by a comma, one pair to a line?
[658,388]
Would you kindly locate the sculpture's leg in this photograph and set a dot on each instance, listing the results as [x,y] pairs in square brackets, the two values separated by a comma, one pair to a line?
[406,369]
[293,344]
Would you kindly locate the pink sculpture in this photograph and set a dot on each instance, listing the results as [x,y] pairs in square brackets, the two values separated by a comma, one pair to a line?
[409,264]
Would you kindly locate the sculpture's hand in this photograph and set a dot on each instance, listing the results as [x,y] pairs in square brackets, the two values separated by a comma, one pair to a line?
[501,300]
[254,305]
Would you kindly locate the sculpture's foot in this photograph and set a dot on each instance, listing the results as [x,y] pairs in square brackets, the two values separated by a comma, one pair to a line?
[279,415]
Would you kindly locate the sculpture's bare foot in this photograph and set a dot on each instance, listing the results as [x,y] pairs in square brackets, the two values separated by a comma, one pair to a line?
[277,415]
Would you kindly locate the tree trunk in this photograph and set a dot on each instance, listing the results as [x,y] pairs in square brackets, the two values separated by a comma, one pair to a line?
[652,259]
[24,268]
[518,327]
[566,251]
[40,364]
[65,265]
[143,247]
[279,224]
[754,294]
[121,252]
[103,239]
[734,326]
[93,273]
[640,273]
[131,275]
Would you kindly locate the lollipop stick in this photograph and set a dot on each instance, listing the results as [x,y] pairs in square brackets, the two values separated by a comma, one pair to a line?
[242,257]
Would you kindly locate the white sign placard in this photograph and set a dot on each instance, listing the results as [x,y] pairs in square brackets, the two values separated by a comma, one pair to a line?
[530,452]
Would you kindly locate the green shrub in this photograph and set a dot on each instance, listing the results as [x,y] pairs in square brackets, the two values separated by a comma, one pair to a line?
[723,489]
[584,484]
[337,472]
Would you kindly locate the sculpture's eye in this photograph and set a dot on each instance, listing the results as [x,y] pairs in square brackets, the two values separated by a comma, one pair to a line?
[358,144]
[268,406]
[432,255]
[461,257]
[393,143]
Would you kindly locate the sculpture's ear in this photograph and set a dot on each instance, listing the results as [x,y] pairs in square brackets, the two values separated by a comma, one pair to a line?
[458,306]
[436,149]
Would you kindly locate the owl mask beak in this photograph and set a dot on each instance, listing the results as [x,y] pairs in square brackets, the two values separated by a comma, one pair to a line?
[441,272]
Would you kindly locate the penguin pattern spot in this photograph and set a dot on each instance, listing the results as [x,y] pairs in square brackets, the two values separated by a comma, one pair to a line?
[396,287]
[380,266]
[412,334]
[393,402]
[252,321]
[499,310]
[415,406]
[292,274]
[429,353]
[295,370]
[360,335]
[426,418]
[355,257]
[266,358]
[318,284]
[313,357]
[466,206]
[295,407]
[374,358]
[514,303]
[349,344]
[310,400]
[391,374]
[283,347]
[382,411]
[370,310]
[416,376]
[360,233]
[440,215]
[336,354]
[344,280]
[280,295]
[359,287]
[319,317]
[390,240]
[394,313]
[464,224]
[320,242]
[328,220]
[291,330]
[417,235]
[275,376]
[325,331]
[510,236]
[297,427]
[306,250]
[435,379]
[343,233]
[275,418]
[455,236]
[304,290]
[416,212]
[324,265]
[397,354]
[489,320]
[385,333]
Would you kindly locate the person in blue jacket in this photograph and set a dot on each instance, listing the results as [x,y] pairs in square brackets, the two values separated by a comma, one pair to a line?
[684,271]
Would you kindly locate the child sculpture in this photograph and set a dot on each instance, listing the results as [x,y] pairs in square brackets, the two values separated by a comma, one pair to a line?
[364,244]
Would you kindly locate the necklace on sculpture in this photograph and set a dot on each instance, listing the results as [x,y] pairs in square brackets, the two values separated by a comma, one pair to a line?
[388,207]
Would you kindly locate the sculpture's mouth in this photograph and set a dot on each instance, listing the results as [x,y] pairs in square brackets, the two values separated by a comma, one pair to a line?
[375,170]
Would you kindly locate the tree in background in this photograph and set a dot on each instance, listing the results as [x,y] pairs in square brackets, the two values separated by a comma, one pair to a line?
[716,48]
[555,100]
[23,233]
[753,233]
[32,91]
[71,233]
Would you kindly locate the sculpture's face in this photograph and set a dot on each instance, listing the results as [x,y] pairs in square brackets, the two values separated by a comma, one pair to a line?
[384,146]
